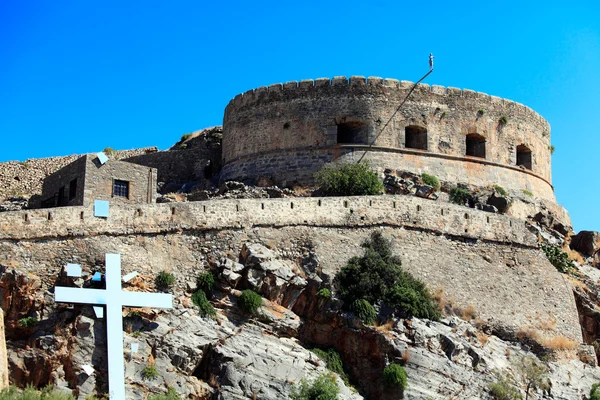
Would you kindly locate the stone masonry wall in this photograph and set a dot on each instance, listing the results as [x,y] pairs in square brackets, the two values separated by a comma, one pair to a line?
[300,116]
[62,178]
[27,177]
[486,260]
[99,181]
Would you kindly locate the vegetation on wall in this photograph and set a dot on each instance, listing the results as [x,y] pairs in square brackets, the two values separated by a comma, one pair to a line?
[558,258]
[48,393]
[501,191]
[595,392]
[377,277]
[431,180]
[459,195]
[349,179]
[206,281]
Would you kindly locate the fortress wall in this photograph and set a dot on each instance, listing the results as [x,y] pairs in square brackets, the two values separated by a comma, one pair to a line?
[301,165]
[510,283]
[27,177]
[305,114]
[218,214]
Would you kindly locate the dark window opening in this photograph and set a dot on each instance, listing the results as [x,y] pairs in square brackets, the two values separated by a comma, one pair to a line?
[415,137]
[524,156]
[120,188]
[61,197]
[352,133]
[475,145]
[73,189]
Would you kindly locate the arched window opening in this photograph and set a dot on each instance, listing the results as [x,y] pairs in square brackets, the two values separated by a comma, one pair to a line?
[352,133]
[415,137]
[475,145]
[524,156]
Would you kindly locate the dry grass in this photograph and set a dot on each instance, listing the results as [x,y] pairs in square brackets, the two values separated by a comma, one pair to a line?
[482,337]
[469,312]
[405,356]
[546,325]
[551,342]
[559,343]
[386,327]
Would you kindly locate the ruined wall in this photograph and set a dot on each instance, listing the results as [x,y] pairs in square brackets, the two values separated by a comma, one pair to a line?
[60,181]
[487,260]
[27,177]
[292,129]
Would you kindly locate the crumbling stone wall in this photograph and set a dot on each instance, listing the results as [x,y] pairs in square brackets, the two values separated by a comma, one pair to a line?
[94,181]
[27,177]
[289,131]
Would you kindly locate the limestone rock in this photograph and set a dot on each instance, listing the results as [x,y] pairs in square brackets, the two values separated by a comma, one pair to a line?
[586,242]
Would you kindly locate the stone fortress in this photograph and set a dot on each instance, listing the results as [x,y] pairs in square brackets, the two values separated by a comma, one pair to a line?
[284,133]
[291,130]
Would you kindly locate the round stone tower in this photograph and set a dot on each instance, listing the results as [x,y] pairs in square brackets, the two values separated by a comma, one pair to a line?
[288,131]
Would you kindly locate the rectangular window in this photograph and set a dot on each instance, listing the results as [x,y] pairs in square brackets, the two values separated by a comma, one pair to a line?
[73,189]
[120,188]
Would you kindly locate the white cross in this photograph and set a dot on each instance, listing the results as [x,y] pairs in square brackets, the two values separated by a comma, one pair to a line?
[114,298]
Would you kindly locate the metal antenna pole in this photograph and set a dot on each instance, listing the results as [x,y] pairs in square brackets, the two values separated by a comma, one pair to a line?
[400,106]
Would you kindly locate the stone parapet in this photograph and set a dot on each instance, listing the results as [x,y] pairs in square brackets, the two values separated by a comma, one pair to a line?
[398,211]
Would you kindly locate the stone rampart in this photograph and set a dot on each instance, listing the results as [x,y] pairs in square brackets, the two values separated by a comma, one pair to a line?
[488,261]
[399,210]
[302,125]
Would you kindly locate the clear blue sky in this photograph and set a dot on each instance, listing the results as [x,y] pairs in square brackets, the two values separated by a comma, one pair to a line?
[79,76]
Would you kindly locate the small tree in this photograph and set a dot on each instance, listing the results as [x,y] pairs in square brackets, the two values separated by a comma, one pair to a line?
[350,179]
[394,376]
[323,388]
[206,309]
[595,392]
[250,301]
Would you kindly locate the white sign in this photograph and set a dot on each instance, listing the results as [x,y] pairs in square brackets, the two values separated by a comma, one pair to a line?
[114,299]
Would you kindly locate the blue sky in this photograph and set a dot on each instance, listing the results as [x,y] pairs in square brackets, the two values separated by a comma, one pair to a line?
[79,76]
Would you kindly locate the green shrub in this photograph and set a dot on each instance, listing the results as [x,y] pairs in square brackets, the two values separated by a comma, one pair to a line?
[206,282]
[459,195]
[150,373]
[205,308]
[595,392]
[350,179]
[170,395]
[250,301]
[377,276]
[394,375]
[558,258]
[185,137]
[551,148]
[30,393]
[364,311]
[323,388]
[500,190]
[183,146]
[431,180]
[109,151]
[480,112]
[503,120]
[28,322]
[502,389]
[324,293]
[410,296]
[333,361]
[164,279]
[528,193]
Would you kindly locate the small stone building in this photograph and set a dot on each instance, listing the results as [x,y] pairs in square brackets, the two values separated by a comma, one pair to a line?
[88,178]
